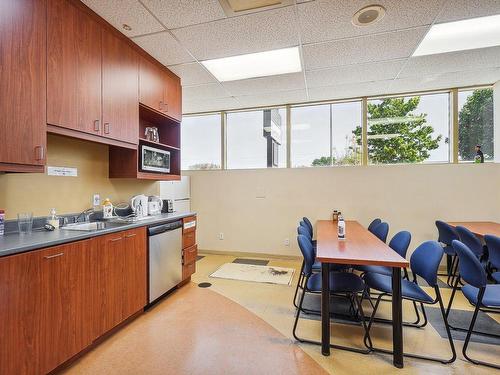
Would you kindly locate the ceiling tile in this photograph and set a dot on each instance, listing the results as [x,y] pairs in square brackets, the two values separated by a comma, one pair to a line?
[164,48]
[452,62]
[323,20]
[192,74]
[393,45]
[255,86]
[204,92]
[130,12]
[239,35]
[180,13]
[350,90]
[209,104]
[273,98]
[455,10]
[354,73]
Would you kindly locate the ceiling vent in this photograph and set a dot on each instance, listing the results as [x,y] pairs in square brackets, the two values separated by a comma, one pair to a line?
[368,15]
[237,7]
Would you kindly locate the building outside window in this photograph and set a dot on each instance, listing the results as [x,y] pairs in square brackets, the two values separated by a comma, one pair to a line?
[410,129]
[475,123]
[201,142]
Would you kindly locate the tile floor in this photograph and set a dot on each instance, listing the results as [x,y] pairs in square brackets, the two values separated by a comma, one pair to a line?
[200,331]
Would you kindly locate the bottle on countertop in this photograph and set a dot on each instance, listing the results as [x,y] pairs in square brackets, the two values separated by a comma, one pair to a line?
[53,219]
[335,215]
[2,222]
[341,227]
[107,209]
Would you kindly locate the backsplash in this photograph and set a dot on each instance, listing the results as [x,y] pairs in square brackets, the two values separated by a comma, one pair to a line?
[38,192]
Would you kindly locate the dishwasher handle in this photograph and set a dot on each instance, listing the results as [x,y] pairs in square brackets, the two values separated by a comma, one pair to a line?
[158,229]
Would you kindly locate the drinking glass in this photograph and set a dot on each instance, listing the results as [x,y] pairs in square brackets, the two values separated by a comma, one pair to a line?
[25,222]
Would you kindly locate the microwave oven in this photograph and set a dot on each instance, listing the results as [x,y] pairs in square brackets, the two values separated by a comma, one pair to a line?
[154,159]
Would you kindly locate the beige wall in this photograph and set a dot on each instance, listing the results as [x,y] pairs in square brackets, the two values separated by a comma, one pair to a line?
[258,209]
[38,192]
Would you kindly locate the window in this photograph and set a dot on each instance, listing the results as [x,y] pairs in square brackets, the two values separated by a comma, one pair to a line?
[475,123]
[325,135]
[411,129]
[201,142]
[256,139]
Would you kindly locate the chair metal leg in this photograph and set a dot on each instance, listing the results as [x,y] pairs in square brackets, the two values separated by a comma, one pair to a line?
[471,330]
[301,276]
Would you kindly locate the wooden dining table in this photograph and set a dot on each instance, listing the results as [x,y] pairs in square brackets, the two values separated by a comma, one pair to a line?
[479,228]
[360,247]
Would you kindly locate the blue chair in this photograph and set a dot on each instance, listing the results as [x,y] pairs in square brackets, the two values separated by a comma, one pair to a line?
[341,283]
[477,291]
[373,224]
[446,234]
[424,262]
[493,244]
[381,230]
[308,224]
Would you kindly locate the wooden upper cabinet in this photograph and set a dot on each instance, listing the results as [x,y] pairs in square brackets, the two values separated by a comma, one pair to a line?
[120,89]
[173,96]
[151,85]
[73,68]
[23,43]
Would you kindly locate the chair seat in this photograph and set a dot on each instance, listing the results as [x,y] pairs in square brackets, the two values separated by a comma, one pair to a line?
[340,282]
[409,290]
[496,276]
[491,296]
[375,269]
[448,250]
[333,267]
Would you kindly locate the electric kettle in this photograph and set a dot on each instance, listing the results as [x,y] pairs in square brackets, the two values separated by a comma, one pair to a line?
[139,204]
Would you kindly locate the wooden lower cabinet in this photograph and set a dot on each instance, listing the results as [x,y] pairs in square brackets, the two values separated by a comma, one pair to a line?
[189,247]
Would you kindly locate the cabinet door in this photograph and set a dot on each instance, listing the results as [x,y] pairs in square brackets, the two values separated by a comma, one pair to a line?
[173,96]
[73,68]
[120,89]
[151,85]
[23,81]
[66,303]
[135,271]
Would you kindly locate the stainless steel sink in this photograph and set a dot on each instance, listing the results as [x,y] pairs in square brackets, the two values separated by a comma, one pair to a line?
[89,227]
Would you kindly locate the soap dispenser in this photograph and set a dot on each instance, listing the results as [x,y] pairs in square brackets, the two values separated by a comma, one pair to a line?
[107,209]
[53,219]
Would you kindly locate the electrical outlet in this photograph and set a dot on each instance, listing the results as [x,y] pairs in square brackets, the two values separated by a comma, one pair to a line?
[287,242]
[96,200]
[221,236]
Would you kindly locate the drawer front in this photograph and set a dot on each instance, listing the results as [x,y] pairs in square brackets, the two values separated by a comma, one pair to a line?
[189,224]
[188,239]
[188,270]
[189,255]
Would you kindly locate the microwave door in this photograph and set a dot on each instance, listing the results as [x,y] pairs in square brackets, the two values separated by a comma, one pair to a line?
[155,160]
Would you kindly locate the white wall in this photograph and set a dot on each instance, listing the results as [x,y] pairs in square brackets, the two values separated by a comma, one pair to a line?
[496,121]
[257,209]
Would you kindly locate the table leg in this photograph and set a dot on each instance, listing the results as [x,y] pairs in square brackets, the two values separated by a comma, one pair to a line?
[397,318]
[325,309]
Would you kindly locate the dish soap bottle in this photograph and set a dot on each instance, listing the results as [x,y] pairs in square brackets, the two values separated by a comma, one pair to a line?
[341,227]
[53,219]
[107,209]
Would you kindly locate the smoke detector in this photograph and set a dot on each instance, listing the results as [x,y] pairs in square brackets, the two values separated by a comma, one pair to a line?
[368,15]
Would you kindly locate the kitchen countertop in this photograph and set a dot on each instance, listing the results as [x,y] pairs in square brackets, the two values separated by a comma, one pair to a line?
[14,243]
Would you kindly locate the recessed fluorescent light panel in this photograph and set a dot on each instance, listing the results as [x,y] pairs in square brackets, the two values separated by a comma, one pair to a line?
[260,64]
[461,35]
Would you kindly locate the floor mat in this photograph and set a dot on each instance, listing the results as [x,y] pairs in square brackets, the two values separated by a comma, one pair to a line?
[250,272]
[255,262]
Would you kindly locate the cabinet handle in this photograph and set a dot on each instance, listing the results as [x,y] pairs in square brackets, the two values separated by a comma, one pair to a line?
[161,106]
[40,153]
[130,235]
[166,107]
[54,256]
[106,128]
[97,125]
[116,239]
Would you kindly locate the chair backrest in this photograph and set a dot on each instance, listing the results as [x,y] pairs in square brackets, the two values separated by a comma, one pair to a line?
[446,233]
[306,248]
[308,223]
[304,231]
[471,270]
[373,224]
[425,260]
[400,242]
[493,244]
[381,231]
[303,224]
[470,240]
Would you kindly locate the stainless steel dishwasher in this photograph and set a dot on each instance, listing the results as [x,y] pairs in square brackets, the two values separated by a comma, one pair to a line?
[165,258]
